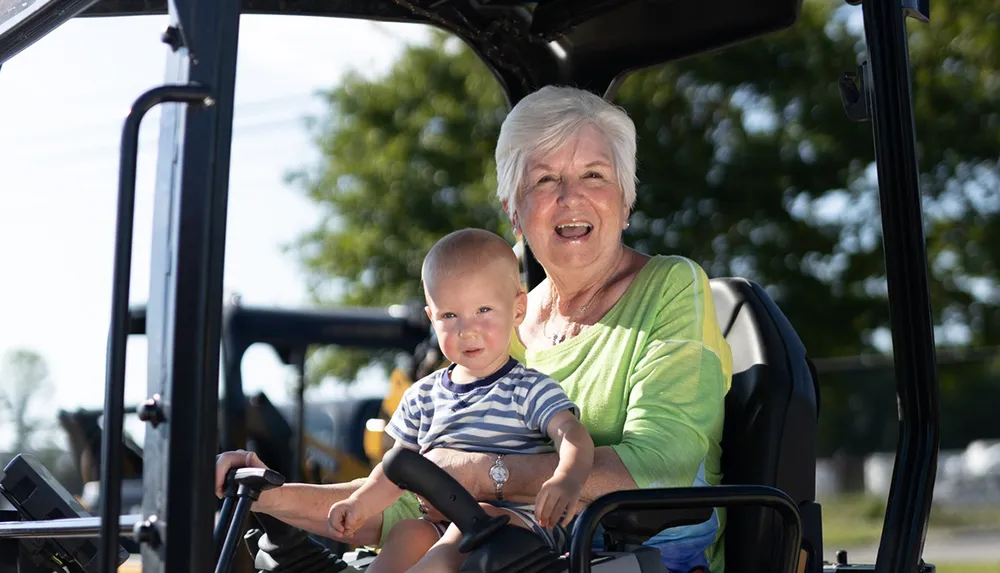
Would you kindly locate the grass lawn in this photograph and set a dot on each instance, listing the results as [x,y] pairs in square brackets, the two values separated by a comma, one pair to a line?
[853,521]
[967,567]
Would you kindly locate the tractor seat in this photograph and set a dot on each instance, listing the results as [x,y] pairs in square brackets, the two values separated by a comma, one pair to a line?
[771,413]
[769,433]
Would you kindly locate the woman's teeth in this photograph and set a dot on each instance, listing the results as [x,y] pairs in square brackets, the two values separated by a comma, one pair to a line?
[573,230]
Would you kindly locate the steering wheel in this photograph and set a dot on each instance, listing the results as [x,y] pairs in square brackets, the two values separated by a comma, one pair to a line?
[510,548]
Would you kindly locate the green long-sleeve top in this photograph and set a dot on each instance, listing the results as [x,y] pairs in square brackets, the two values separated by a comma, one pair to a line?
[650,380]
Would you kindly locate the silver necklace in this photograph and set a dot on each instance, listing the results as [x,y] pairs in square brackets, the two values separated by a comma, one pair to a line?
[560,335]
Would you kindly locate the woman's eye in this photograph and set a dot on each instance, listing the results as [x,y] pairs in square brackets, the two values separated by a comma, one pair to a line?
[593,174]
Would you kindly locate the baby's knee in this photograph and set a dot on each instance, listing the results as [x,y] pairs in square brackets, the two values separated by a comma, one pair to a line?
[405,545]
[417,532]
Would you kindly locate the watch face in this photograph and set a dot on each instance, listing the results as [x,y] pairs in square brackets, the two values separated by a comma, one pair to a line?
[499,474]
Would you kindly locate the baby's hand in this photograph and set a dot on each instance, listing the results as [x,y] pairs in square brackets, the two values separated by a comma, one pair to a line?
[558,498]
[346,517]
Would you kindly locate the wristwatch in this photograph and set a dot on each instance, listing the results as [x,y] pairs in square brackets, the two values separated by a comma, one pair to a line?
[499,473]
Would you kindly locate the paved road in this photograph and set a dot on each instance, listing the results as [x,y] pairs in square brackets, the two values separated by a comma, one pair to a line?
[980,546]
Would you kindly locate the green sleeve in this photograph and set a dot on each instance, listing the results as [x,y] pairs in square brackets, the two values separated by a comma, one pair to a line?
[406,507]
[673,407]
[676,391]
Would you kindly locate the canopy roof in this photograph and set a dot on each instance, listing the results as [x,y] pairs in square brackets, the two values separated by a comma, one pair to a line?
[587,43]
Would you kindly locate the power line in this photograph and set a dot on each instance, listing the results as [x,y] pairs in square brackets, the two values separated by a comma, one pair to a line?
[114,126]
[81,150]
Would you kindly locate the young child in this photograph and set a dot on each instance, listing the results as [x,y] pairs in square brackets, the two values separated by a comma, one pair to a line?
[485,401]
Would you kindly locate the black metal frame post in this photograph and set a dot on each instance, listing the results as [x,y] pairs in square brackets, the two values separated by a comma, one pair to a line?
[114,397]
[299,431]
[890,107]
[184,313]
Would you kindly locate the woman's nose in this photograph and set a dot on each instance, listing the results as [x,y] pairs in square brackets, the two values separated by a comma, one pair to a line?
[569,190]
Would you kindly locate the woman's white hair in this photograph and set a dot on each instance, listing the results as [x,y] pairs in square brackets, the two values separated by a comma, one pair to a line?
[544,120]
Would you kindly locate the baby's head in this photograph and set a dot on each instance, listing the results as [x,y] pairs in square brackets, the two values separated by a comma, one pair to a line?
[474,298]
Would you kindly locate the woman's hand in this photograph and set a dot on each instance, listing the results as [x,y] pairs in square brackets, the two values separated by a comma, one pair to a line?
[233,460]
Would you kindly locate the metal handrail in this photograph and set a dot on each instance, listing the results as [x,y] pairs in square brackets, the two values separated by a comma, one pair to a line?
[686,498]
[64,528]
[114,397]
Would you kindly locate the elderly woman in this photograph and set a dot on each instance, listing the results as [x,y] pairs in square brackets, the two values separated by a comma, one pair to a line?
[633,339]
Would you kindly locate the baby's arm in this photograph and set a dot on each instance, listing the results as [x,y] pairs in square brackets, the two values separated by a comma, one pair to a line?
[561,493]
[377,493]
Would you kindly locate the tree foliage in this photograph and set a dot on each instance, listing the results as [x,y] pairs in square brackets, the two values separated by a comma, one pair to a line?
[747,164]
[24,385]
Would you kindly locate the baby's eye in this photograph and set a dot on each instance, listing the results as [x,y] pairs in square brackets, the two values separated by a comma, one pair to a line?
[484,309]
[448,315]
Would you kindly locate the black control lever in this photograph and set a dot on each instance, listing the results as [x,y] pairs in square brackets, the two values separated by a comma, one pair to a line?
[411,471]
[245,485]
[278,547]
[226,513]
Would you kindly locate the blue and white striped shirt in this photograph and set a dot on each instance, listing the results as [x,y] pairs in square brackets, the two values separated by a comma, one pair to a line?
[506,412]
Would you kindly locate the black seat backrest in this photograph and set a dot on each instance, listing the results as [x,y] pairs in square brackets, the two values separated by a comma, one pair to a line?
[770,427]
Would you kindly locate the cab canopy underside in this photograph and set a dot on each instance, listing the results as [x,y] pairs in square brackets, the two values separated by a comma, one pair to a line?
[587,43]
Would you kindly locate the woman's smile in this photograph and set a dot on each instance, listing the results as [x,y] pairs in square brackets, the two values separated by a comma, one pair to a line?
[574,231]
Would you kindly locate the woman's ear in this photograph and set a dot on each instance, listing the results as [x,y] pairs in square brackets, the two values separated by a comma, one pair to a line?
[505,204]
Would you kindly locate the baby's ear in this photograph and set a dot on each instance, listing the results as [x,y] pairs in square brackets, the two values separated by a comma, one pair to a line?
[520,306]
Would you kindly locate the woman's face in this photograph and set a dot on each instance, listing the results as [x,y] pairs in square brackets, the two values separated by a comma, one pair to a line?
[573,211]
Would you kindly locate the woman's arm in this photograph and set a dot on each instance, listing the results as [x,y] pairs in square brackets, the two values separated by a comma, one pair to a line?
[528,472]
[306,506]
[299,504]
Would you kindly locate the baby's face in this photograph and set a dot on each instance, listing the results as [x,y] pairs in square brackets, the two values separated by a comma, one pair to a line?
[474,315]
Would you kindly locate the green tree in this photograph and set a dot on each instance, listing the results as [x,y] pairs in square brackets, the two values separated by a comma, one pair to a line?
[747,164]
[406,159]
[24,384]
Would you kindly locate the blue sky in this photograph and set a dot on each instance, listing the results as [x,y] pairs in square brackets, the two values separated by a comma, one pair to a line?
[62,103]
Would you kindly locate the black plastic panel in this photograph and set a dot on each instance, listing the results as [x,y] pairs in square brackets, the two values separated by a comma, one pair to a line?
[37,495]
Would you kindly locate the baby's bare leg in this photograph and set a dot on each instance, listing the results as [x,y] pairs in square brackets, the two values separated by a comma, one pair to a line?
[444,557]
[405,545]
